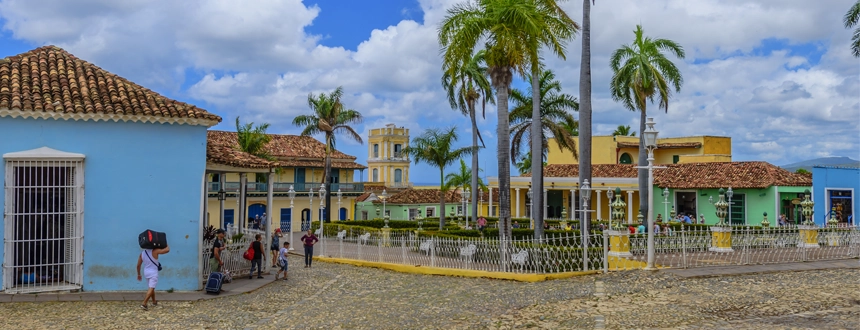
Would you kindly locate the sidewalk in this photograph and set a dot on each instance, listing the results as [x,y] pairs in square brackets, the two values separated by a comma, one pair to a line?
[238,286]
[761,269]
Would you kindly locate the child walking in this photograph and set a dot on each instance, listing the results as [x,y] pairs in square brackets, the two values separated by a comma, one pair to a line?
[282,261]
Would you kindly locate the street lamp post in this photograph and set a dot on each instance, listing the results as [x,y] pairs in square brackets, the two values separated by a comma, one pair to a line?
[729,194]
[310,207]
[480,201]
[585,190]
[650,137]
[292,194]
[384,196]
[666,205]
[339,196]
[222,195]
[420,220]
[237,216]
[322,192]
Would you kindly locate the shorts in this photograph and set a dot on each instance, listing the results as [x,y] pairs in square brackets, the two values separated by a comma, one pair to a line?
[283,265]
[152,281]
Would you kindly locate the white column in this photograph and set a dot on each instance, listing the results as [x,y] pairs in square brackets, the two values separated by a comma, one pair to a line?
[518,201]
[221,181]
[243,186]
[572,209]
[270,187]
[599,206]
[490,210]
[630,206]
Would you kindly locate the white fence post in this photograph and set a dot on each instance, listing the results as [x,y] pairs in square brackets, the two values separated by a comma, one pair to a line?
[432,252]
[403,248]
[683,245]
[584,252]
[605,252]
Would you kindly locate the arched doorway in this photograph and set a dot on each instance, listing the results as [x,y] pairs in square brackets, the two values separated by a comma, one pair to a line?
[625,159]
[254,211]
[343,214]
[306,222]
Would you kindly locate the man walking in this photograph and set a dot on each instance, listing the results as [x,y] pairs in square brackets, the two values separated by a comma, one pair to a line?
[257,261]
[148,258]
[309,240]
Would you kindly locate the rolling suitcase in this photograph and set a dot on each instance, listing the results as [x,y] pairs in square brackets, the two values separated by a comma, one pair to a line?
[213,284]
[150,239]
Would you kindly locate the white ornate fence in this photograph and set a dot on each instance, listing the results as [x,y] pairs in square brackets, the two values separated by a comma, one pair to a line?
[231,256]
[556,253]
[692,247]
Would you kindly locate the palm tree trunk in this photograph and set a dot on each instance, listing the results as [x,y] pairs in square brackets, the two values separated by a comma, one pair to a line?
[504,150]
[442,197]
[537,155]
[585,109]
[474,183]
[327,178]
[643,173]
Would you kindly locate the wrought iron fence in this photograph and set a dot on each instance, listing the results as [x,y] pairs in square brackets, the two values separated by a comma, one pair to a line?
[231,256]
[697,246]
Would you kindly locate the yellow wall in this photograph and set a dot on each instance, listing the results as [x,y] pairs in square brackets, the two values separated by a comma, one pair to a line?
[300,203]
[605,151]
[386,138]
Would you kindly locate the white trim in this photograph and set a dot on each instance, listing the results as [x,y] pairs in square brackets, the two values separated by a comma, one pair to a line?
[430,207]
[827,205]
[44,153]
[96,117]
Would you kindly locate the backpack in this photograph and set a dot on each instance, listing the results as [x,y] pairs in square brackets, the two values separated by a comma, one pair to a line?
[249,254]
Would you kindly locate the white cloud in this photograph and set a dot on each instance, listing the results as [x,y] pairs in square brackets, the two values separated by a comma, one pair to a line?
[258,61]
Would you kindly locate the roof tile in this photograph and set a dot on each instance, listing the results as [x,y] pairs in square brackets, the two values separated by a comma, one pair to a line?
[283,146]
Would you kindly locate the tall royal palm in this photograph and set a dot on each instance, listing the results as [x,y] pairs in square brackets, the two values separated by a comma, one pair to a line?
[642,73]
[465,85]
[584,128]
[329,117]
[852,17]
[436,147]
[512,31]
[556,114]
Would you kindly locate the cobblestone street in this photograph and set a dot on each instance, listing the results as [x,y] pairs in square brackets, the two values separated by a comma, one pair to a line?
[335,296]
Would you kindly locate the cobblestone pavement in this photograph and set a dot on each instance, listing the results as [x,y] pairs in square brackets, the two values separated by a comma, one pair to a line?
[335,296]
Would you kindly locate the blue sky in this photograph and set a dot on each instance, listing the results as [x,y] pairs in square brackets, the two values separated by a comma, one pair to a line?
[778,79]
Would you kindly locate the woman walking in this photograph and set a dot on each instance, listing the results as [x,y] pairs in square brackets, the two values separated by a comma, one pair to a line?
[257,261]
[309,240]
[148,258]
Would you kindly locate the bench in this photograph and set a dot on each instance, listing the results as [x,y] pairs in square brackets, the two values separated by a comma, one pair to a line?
[425,246]
[318,232]
[468,251]
[363,238]
[520,258]
[341,235]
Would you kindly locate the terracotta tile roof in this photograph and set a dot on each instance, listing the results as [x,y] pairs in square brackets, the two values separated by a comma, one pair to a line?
[422,196]
[283,146]
[597,171]
[48,82]
[321,164]
[728,174]
[678,145]
[229,156]
[374,187]
[363,197]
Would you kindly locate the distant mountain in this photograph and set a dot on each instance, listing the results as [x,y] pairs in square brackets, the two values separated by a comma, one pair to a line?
[826,161]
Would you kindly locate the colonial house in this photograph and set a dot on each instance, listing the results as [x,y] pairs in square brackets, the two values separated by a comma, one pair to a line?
[690,188]
[833,190]
[406,204]
[673,150]
[90,160]
[299,165]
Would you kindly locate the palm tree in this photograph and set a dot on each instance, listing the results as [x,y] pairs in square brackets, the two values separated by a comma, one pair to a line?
[252,140]
[555,117]
[623,131]
[525,163]
[512,31]
[641,73]
[584,130]
[463,179]
[329,117]
[850,20]
[466,84]
[435,147]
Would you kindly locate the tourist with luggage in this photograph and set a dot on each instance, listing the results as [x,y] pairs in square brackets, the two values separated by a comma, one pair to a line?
[148,258]
[215,261]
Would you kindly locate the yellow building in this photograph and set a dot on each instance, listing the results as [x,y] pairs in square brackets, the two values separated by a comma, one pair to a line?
[625,150]
[300,162]
[387,163]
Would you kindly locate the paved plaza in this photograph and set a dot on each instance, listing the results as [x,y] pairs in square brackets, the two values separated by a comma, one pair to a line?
[336,296]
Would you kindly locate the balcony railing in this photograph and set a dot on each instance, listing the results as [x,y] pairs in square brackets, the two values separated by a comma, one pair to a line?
[282,187]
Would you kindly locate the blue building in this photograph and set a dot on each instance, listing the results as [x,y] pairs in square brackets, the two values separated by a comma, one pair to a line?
[90,160]
[834,191]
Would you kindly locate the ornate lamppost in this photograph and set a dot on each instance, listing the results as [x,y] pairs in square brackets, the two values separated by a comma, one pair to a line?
[420,221]
[222,195]
[310,207]
[292,194]
[666,205]
[729,194]
[619,237]
[585,191]
[531,221]
[808,229]
[383,197]
[466,195]
[650,138]
[322,193]
[721,233]
[339,196]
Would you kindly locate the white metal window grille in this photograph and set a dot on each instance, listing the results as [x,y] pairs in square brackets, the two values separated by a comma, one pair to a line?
[43,221]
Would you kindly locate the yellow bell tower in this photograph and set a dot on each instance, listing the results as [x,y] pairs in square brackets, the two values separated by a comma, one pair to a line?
[386,161]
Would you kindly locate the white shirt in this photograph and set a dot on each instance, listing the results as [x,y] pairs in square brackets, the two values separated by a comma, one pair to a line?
[150,269]
[283,254]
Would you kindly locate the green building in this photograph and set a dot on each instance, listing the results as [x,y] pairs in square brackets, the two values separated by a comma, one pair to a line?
[757,188]
[405,204]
